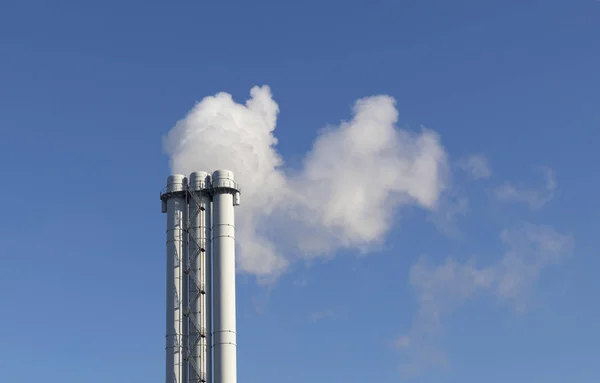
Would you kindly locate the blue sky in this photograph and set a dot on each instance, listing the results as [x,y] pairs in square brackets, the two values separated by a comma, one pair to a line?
[496,283]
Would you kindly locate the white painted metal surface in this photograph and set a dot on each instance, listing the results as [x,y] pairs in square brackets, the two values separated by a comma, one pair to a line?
[224,331]
[199,277]
[184,293]
[201,303]
[176,209]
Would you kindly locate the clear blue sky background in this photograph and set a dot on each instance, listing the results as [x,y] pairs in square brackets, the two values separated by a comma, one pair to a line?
[87,90]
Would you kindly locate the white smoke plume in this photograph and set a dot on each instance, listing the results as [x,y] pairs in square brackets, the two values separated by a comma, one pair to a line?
[351,184]
[444,287]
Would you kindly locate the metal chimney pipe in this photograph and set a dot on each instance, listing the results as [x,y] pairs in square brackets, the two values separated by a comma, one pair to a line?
[200,290]
[225,194]
[175,205]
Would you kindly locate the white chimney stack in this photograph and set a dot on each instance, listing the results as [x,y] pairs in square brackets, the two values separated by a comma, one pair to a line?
[174,204]
[201,305]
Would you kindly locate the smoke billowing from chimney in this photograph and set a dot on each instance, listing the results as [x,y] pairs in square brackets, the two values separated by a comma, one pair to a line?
[353,181]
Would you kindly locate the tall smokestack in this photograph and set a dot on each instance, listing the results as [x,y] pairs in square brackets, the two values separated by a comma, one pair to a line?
[199,273]
[174,203]
[226,195]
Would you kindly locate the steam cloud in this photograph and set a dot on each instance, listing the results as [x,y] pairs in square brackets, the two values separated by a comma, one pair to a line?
[351,184]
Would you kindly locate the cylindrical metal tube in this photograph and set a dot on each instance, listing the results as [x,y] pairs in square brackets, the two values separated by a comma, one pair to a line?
[176,208]
[224,189]
[184,296]
[209,295]
[198,275]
